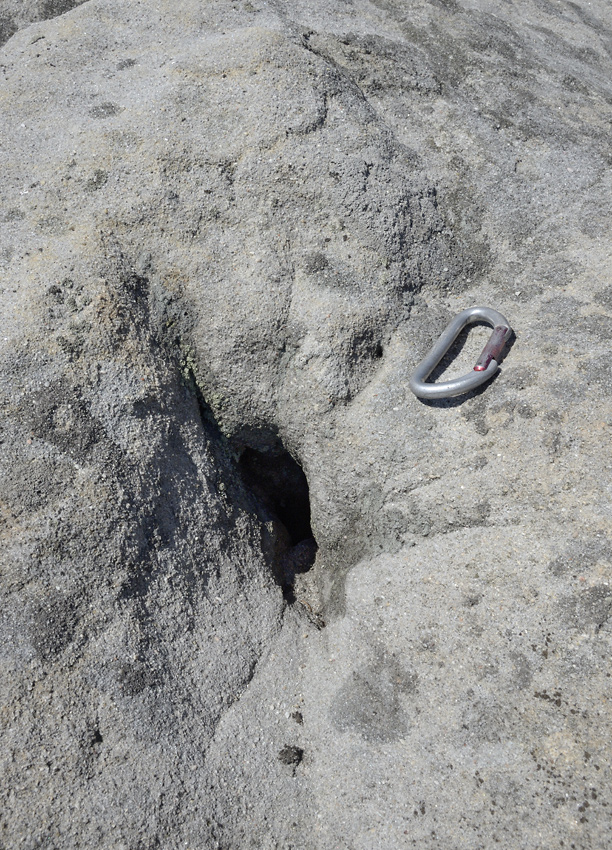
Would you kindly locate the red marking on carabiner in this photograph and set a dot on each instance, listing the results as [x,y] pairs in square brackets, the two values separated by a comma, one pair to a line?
[493,348]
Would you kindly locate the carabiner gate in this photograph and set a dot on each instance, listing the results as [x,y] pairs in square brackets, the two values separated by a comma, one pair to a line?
[486,365]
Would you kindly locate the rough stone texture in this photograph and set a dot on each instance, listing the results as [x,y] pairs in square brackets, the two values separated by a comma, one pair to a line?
[15,14]
[233,227]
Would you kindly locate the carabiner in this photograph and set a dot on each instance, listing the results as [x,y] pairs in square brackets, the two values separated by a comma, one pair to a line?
[486,365]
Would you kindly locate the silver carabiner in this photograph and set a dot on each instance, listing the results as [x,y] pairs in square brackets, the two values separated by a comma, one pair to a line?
[486,365]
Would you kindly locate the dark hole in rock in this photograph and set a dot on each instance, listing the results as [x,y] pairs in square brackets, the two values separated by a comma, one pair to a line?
[280,491]
[280,486]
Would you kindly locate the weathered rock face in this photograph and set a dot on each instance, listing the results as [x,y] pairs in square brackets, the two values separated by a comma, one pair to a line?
[15,14]
[229,233]
[128,544]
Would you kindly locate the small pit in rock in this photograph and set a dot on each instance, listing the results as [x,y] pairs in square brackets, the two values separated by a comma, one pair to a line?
[280,486]
[291,756]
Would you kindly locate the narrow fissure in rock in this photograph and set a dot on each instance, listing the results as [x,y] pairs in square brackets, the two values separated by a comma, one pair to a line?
[280,486]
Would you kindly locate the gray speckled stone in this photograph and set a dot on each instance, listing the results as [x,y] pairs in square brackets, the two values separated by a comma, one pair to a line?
[241,225]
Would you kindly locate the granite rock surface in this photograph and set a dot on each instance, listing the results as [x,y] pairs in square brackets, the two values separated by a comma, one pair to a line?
[256,594]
